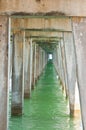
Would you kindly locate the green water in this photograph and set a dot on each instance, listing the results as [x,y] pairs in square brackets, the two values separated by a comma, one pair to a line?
[47,108]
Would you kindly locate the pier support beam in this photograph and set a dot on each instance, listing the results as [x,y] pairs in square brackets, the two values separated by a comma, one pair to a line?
[55,58]
[26,59]
[62,65]
[71,68]
[79,28]
[31,64]
[3,71]
[40,63]
[17,71]
[34,64]
[37,62]
[43,61]
[64,68]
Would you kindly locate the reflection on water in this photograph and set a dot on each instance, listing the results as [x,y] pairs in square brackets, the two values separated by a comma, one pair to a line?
[47,109]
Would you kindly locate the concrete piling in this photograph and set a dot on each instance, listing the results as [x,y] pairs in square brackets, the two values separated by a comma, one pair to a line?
[79,29]
[17,71]
[3,71]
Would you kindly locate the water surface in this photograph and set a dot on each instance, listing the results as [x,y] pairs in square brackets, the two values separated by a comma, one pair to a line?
[47,108]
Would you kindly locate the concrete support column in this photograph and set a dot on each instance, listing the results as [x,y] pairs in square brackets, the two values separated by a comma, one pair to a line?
[40,60]
[62,66]
[43,59]
[58,61]
[3,71]
[65,83]
[71,68]
[31,63]
[33,67]
[26,59]
[79,29]
[17,71]
[43,62]
[58,57]
[46,58]
[35,64]
[55,58]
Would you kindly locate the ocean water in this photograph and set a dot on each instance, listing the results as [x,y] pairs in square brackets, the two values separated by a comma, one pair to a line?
[47,108]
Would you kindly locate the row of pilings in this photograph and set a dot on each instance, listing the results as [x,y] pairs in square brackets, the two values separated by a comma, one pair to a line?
[69,60]
[22,63]
[28,62]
